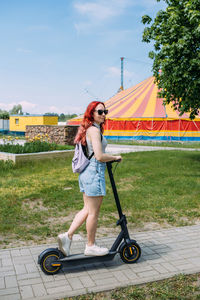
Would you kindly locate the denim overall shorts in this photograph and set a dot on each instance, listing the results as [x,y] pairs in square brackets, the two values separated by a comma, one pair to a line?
[92,179]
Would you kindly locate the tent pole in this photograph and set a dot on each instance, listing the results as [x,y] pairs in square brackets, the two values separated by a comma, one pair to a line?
[122,73]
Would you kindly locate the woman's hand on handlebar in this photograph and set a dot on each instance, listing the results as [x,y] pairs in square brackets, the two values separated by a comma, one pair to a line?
[118,158]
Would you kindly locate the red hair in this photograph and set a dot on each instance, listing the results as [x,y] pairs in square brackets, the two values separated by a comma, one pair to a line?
[87,121]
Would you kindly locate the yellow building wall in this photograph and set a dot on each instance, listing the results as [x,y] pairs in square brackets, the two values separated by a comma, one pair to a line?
[19,123]
[50,120]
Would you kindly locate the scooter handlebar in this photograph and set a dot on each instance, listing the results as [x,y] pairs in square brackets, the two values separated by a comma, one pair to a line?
[112,161]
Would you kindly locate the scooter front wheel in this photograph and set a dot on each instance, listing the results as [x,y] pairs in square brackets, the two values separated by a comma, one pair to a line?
[49,264]
[130,253]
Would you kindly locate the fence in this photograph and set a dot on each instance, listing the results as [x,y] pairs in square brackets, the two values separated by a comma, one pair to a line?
[63,135]
[4,125]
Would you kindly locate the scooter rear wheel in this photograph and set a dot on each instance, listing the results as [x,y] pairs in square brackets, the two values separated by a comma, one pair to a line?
[46,262]
[130,253]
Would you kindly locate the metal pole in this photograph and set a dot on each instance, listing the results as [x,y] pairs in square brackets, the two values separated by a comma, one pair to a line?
[122,73]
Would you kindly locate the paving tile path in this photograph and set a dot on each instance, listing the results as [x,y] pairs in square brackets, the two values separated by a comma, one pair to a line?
[164,253]
[114,148]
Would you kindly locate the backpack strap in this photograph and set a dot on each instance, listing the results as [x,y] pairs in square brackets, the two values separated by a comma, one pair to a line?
[91,156]
[85,152]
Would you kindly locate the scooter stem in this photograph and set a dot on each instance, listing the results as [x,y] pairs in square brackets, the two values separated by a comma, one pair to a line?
[109,168]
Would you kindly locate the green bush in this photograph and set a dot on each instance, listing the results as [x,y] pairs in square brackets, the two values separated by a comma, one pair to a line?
[6,165]
[31,147]
[38,146]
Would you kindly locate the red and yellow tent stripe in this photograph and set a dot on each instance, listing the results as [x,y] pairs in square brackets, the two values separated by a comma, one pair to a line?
[138,113]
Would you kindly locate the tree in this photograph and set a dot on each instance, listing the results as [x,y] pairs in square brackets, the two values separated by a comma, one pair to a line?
[63,118]
[4,114]
[16,110]
[176,35]
[50,114]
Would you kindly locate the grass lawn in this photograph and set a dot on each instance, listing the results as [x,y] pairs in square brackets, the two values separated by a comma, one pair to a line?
[179,287]
[39,199]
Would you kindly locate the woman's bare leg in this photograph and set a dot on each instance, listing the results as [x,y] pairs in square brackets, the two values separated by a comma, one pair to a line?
[93,205]
[79,218]
[90,213]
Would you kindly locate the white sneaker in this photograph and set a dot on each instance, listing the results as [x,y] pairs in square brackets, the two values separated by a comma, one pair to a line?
[64,243]
[94,250]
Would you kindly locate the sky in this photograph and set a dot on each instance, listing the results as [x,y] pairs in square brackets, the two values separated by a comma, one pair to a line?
[59,55]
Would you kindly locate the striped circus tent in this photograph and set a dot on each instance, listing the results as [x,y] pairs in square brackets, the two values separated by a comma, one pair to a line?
[137,113]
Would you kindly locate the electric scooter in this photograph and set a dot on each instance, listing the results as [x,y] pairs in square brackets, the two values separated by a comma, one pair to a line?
[52,260]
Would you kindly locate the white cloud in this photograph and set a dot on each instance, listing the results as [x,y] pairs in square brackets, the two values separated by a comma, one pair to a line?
[92,13]
[27,106]
[23,50]
[116,72]
[34,108]
[98,11]
[5,106]
[113,72]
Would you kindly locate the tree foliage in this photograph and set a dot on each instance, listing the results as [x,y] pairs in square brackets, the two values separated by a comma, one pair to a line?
[176,35]
[4,114]
[64,117]
[16,110]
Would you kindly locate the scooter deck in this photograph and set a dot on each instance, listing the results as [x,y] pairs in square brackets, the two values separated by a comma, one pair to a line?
[81,258]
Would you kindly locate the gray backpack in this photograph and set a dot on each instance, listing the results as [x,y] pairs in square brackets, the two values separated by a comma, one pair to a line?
[80,160]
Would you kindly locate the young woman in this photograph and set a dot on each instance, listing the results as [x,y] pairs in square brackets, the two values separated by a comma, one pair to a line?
[91,180]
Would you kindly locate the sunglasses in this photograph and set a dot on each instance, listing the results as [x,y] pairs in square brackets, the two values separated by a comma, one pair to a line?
[101,111]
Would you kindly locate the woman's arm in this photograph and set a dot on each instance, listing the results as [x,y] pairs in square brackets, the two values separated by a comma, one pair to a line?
[95,137]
